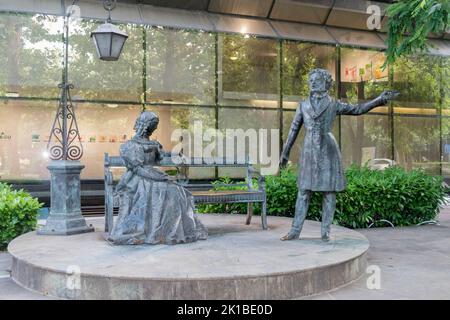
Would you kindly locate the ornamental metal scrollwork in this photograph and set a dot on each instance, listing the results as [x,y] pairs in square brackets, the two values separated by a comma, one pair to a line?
[65,141]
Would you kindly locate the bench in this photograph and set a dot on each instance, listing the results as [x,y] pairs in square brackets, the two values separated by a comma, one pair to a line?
[250,195]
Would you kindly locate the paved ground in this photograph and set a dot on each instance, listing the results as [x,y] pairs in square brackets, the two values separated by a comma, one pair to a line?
[413,263]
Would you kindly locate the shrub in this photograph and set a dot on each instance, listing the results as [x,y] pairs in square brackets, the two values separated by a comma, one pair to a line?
[223,207]
[18,213]
[394,194]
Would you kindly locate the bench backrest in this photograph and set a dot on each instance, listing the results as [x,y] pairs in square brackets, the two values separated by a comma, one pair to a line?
[176,160]
[183,162]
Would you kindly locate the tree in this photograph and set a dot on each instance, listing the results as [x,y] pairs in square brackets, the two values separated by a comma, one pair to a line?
[409,24]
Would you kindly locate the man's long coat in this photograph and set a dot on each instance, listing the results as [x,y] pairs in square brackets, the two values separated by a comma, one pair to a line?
[320,161]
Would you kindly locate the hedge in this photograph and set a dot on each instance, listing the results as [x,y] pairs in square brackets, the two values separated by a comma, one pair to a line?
[18,213]
[394,194]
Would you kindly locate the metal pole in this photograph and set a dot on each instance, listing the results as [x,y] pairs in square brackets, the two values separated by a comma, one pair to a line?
[280,97]
[65,187]
[65,85]
[65,141]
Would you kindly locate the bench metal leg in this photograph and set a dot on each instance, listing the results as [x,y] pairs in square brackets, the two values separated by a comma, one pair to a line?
[109,210]
[264,215]
[249,213]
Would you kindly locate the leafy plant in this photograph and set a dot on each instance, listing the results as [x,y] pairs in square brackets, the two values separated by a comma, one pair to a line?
[402,197]
[18,213]
[224,207]
[409,24]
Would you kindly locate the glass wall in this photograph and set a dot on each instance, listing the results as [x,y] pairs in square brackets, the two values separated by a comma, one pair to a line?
[222,81]
[366,137]
[31,52]
[24,133]
[180,128]
[180,66]
[95,79]
[417,112]
[103,127]
[242,125]
[248,71]
[445,123]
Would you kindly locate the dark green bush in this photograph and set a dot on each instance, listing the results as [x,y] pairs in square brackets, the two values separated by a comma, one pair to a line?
[18,213]
[402,197]
[223,207]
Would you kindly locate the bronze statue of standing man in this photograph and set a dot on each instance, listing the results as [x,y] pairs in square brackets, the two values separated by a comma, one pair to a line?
[320,161]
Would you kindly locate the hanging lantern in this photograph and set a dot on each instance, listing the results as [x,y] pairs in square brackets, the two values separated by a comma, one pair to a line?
[109,39]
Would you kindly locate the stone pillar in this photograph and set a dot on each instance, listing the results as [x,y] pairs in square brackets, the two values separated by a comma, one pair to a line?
[65,203]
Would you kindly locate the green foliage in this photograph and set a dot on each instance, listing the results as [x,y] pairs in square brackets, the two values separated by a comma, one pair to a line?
[282,193]
[18,213]
[224,207]
[410,22]
[404,198]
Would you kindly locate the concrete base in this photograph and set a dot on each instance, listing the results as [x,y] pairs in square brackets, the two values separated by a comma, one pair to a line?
[65,226]
[65,213]
[236,262]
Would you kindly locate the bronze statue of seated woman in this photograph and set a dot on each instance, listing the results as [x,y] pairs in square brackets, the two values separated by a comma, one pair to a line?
[153,209]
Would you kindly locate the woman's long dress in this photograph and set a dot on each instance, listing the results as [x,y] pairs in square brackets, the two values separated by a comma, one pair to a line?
[153,209]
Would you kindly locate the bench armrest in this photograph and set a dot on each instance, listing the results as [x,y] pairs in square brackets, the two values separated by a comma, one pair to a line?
[109,179]
[261,180]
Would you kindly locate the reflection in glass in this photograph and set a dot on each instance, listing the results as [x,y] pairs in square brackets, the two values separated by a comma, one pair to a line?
[416,143]
[250,121]
[417,79]
[103,128]
[445,74]
[95,79]
[298,60]
[184,128]
[180,69]
[362,76]
[24,133]
[365,138]
[446,147]
[180,66]
[248,71]
[31,61]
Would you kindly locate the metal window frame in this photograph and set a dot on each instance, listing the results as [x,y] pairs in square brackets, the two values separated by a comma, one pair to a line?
[216,105]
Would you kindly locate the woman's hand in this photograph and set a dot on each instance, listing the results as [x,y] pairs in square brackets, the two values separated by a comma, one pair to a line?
[153,174]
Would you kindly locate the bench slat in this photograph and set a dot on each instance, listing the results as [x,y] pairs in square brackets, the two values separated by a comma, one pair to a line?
[175,161]
[227,197]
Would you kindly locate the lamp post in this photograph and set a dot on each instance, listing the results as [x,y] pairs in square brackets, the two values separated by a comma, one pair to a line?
[64,145]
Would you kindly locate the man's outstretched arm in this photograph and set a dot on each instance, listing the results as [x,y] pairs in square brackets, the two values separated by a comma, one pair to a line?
[362,108]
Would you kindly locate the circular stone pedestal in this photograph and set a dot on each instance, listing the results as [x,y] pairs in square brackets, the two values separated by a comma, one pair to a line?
[238,261]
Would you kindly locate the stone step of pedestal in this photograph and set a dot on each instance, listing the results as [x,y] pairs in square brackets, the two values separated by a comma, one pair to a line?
[237,261]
